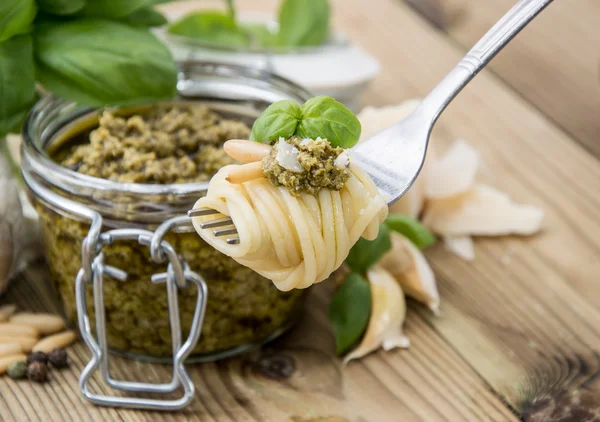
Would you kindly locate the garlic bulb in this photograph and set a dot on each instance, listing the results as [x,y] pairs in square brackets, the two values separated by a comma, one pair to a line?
[15,235]
[388,310]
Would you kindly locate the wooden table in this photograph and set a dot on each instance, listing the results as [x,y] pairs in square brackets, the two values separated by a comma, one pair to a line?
[519,335]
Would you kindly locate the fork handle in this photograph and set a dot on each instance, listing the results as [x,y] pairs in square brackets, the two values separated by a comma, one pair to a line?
[480,55]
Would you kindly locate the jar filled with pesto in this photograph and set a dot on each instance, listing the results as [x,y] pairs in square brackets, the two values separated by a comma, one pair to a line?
[136,168]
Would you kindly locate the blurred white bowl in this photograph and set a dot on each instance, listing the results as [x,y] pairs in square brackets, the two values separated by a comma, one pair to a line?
[338,68]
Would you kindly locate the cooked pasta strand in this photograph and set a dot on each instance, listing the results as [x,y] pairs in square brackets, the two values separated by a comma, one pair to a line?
[295,241]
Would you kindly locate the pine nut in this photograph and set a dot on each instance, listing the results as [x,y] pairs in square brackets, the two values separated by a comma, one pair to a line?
[6,311]
[10,349]
[56,341]
[245,173]
[246,151]
[6,361]
[44,323]
[26,342]
[14,329]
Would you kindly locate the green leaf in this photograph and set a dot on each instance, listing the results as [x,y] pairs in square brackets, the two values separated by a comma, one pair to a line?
[411,229]
[146,16]
[280,119]
[17,82]
[365,253]
[230,9]
[329,119]
[16,17]
[98,62]
[349,312]
[259,34]
[61,7]
[212,26]
[113,9]
[303,22]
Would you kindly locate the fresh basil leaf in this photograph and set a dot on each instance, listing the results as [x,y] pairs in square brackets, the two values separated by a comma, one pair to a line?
[411,229]
[113,9]
[61,7]
[349,311]
[146,16]
[280,119]
[17,81]
[329,119]
[98,62]
[230,9]
[303,22]
[210,26]
[365,253]
[16,17]
[259,34]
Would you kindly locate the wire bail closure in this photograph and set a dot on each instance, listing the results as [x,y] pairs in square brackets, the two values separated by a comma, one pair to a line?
[93,269]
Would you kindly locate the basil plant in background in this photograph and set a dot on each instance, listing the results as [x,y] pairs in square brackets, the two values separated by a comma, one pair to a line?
[302,23]
[94,52]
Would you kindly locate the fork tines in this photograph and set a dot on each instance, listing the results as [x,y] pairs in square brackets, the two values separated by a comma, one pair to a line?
[216,223]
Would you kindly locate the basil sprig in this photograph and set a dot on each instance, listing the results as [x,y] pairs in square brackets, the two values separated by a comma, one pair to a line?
[411,229]
[98,62]
[94,52]
[303,22]
[17,82]
[213,26]
[61,7]
[16,17]
[321,117]
[349,311]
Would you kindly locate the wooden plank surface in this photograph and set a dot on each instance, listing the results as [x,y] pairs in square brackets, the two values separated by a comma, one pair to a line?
[553,63]
[519,325]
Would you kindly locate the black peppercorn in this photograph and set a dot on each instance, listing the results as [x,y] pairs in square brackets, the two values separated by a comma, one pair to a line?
[37,357]
[37,371]
[58,358]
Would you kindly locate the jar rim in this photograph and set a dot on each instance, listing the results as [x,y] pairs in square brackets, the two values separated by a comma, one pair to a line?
[36,156]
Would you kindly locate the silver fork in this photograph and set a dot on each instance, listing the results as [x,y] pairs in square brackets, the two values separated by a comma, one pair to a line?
[394,157]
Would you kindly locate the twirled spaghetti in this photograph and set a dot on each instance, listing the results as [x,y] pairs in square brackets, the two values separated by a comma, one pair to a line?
[293,240]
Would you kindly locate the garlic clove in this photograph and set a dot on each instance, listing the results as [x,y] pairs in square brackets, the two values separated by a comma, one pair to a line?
[376,119]
[461,246]
[482,210]
[411,270]
[388,311]
[13,142]
[6,253]
[454,173]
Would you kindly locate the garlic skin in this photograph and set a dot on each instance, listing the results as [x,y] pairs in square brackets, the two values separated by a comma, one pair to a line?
[388,311]
[410,268]
[12,225]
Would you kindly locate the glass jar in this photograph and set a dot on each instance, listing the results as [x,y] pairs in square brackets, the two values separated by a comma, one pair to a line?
[243,309]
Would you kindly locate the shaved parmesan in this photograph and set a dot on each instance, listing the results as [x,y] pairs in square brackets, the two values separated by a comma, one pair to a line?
[454,173]
[481,211]
[461,246]
[287,156]
[376,119]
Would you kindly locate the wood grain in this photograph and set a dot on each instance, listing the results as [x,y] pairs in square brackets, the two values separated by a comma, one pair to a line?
[297,378]
[553,63]
[519,326]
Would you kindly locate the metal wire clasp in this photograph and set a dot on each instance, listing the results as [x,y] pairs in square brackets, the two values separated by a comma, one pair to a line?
[178,275]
